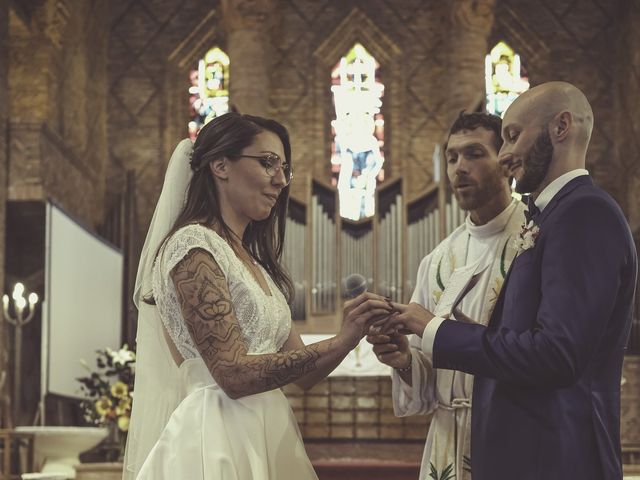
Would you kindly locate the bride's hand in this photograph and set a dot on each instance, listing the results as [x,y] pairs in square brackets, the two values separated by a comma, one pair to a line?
[411,318]
[359,313]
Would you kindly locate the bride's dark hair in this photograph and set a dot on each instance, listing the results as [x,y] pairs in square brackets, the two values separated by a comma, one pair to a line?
[227,136]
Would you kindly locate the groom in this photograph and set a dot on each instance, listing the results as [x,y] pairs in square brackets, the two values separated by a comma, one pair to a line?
[546,398]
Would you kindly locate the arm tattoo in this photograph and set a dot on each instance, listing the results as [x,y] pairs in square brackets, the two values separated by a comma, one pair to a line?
[208,312]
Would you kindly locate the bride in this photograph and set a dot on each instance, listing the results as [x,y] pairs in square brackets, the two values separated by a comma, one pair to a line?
[215,340]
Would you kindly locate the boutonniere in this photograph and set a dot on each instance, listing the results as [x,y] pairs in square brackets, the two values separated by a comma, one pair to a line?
[527,237]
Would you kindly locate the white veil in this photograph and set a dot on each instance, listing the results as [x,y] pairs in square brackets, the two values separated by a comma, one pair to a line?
[156,392]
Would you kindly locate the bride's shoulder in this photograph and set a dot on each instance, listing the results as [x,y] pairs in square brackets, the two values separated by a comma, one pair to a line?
[178,245]
[196,232]
[193,236]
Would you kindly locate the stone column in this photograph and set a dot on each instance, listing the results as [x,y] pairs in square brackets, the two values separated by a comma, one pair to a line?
[248,46]
[471,25]
[4,163]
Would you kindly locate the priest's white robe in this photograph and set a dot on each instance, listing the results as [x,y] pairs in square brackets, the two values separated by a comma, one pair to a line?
[447,393]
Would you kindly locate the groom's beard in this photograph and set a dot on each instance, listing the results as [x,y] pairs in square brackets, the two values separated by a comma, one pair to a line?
[536,164]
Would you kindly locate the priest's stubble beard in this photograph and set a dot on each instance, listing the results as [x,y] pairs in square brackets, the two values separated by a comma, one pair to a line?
[536,163]
[492,186]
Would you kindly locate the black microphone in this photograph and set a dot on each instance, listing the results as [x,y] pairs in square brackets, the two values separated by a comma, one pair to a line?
[353,285]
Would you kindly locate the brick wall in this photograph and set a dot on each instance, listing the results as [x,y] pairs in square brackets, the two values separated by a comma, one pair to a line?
[4,114]
[630,407]
[152,46]
[58,105]
[431,55]
[625,87]
[412,40]
[352,408]
[571,41]
[626,90]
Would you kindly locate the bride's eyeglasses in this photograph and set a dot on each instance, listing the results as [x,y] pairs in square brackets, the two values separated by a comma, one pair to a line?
[272,165]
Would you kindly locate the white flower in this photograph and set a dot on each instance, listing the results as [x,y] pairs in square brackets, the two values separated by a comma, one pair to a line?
[527,237]
[122,356]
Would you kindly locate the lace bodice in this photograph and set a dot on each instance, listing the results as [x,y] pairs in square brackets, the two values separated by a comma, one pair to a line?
[265,320]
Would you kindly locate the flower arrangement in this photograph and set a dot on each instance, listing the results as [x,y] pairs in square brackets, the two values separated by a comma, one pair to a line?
[108,390]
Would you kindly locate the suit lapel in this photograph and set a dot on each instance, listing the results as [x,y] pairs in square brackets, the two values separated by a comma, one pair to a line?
[564,191]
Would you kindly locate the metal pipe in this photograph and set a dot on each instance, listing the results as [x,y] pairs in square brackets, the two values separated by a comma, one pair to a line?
[400,236]
[315,255]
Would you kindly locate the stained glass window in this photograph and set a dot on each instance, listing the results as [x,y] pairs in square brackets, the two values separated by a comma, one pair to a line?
[209,90]
[505,78]
[357,151]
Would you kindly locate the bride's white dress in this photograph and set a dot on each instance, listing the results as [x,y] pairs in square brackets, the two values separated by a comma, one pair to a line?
[209,435]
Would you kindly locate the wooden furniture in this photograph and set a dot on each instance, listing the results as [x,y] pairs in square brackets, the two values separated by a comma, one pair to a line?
[365,460]
[99,471]
[17,454]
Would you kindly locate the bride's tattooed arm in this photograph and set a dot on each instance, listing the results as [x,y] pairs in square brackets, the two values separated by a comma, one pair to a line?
[208,312]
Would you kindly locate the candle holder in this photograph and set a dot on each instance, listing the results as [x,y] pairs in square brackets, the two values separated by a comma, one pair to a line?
[23,309]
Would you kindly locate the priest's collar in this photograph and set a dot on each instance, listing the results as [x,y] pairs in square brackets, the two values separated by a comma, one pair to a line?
[493,226]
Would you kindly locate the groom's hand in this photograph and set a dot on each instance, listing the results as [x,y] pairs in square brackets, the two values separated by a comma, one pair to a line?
[359,313]
[412,318]
[392,349]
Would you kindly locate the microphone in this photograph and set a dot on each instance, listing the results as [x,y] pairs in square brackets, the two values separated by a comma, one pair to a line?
[353,285]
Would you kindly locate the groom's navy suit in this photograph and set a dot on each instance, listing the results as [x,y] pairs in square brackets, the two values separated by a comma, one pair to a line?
[546,397]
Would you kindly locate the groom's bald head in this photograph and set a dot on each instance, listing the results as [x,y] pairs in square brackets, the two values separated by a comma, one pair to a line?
[541,104]
[546,132]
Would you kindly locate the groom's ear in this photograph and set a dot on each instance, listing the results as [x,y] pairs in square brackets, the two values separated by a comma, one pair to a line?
[219,168]
[561,126]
